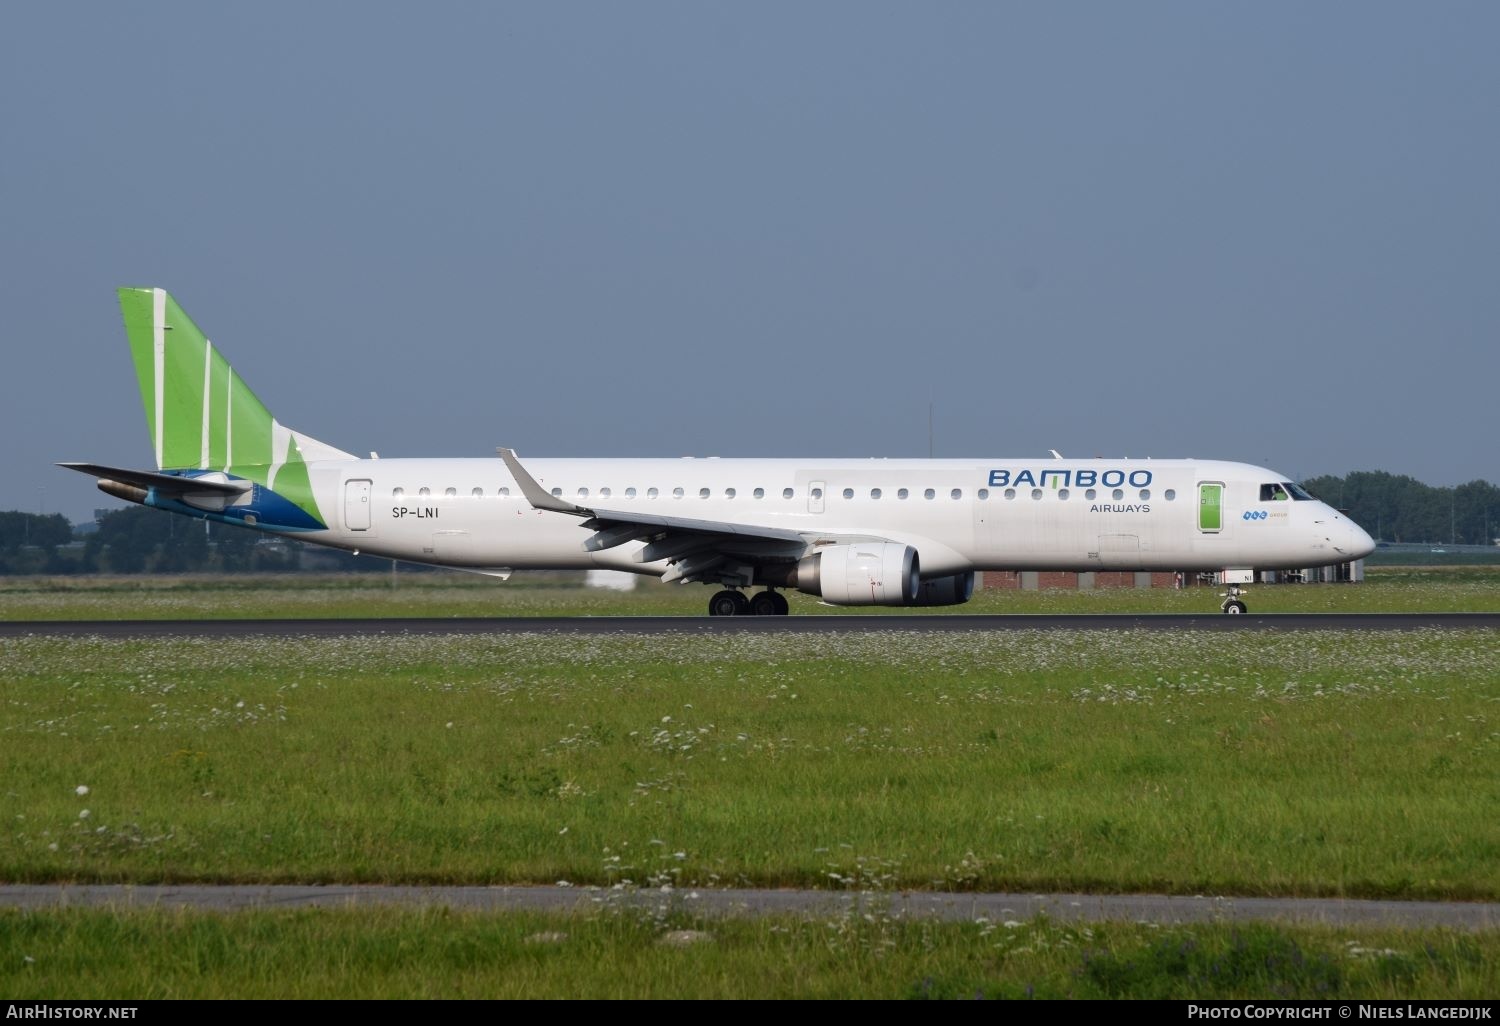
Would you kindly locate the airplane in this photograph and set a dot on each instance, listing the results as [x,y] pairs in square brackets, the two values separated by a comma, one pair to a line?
[854,532]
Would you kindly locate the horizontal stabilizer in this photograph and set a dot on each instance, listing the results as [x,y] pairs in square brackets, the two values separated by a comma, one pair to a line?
[166,484]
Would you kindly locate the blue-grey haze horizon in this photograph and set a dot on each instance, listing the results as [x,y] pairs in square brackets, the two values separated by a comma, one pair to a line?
[1262,232]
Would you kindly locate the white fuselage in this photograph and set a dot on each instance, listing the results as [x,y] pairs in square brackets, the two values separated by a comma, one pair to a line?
[969,514]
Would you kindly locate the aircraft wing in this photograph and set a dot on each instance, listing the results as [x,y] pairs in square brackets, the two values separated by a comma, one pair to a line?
[694,547]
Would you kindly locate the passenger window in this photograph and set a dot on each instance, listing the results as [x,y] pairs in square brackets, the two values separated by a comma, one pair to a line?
[760,493]
[652,493]
[902,493]
[957,493]
[505,492]
[1091,495]
[874,493]
[397,493]
[677,493]
[929,494]
[817,493]
[478,492]
[848,493]
[1010,493]
[983,493]
[702,493]
[604,493]
[450,492]
[583,493]
[1169,495]
[557,493]
[1145,494]
[424,492]
[786,493]
[1063,493]
[1036,493]
[630,493]
[1119,494]
[729,493]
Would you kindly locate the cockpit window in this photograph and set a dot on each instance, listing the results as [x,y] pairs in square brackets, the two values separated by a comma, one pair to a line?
[1298,492]
[1273,493]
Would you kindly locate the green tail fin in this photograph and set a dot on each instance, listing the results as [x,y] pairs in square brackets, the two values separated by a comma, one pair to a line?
[200,414]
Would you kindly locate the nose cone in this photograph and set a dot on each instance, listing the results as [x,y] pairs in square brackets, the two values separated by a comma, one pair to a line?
[1360,543]
[1346,537]
[1350,540]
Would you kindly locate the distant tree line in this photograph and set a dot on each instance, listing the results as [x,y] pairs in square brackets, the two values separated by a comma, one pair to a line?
[137,540]
[29,542]
[1397,508]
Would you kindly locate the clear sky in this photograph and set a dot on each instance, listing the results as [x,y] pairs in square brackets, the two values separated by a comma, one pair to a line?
[1261,231]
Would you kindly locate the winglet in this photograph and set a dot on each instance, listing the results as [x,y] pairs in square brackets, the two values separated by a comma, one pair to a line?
[535,494]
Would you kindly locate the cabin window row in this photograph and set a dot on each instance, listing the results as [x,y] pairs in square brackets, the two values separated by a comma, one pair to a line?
[983,494]
[603,493]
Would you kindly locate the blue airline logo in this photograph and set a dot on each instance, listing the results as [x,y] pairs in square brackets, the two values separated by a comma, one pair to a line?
[1052,478]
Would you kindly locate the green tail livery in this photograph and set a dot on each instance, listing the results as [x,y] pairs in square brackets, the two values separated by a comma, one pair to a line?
[219,452]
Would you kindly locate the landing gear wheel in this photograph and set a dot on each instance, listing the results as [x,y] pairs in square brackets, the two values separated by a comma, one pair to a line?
[1232,604]
[728,603]
[769,603]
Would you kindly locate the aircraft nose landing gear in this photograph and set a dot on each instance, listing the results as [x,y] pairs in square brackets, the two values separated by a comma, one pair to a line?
[1232,603]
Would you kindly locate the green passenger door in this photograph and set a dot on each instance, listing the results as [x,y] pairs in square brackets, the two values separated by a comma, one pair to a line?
[1210,507]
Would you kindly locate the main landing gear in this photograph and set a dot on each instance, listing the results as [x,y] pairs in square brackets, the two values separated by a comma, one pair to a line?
[735,603]
[1232,603]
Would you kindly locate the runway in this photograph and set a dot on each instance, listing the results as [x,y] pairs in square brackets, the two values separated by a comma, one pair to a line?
[996,908]
[750,624]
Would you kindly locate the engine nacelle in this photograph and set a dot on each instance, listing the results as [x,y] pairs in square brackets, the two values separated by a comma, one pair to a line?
[953,590]
[876,574]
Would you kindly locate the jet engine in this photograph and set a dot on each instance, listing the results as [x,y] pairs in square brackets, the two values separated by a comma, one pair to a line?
[877,574]
[953,590]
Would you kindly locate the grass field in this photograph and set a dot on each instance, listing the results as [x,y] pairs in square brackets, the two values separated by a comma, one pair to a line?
[438,953]
[1387,589]
[1253,763]
[1356,764]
